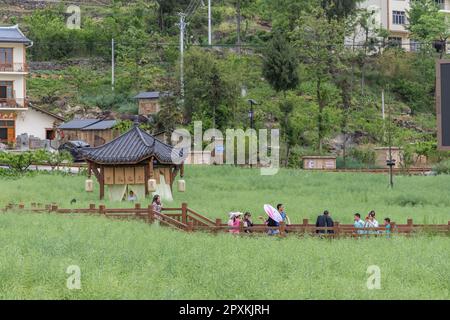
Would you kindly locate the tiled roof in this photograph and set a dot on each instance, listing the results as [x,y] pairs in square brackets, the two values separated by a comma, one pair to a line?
[101,125]
[130,148]
[13,34]
[77,124]
[151,95]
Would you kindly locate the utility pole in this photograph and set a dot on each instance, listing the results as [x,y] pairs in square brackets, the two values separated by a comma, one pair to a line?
[238,9]
[112,64]
[209,23]
[390,162]
[182,26]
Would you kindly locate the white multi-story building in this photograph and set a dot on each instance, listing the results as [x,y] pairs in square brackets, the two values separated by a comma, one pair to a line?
[17,116]
[391,15]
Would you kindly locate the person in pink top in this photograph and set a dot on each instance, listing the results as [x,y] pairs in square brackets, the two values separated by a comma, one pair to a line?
[235,222]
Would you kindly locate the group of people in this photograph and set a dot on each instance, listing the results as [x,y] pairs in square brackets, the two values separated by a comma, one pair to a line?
[369,225]
[156,202]
[237,217]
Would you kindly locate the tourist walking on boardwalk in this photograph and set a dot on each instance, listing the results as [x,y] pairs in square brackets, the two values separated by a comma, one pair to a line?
[280,208]
[156,204]
[248,223]
[358,223]
[324,221]
[234,222]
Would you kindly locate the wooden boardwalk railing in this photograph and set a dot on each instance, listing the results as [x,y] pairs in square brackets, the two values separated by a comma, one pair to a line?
[186,219]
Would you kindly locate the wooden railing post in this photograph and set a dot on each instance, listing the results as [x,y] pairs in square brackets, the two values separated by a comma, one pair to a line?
[337,230]
[219,223]
[151,214]
[449,227]
[184,207]
[190,226]
[410,225]
[282,229]
[137,207]
[305,225]
[21,206]
[102,209]
[241,227]
[54,208]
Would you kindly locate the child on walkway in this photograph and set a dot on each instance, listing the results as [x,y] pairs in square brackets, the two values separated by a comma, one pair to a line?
[235,222]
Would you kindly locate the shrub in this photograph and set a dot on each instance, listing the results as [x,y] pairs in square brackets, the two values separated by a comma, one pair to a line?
[364,155]
[442,167]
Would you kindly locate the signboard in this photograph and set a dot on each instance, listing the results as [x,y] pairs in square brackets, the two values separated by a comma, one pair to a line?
[443,104]
[219,148]
[7,115]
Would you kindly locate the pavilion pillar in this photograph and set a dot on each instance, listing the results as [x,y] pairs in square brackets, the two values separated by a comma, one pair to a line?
[102,183]
[151,169]
[146,178]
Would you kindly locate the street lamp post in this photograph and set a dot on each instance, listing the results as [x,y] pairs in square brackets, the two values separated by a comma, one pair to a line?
[251,115]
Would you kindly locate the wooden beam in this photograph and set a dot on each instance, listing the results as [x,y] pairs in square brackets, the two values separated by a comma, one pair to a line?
[146,175]
[102,183]
[151,169]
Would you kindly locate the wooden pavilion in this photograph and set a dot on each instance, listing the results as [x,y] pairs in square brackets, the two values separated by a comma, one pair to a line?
[131,160]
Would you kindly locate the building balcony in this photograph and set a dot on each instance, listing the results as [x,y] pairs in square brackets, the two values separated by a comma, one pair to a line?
[14,68]
[13,104]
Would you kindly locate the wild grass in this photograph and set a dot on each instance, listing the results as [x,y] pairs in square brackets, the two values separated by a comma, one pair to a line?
[214,191]
[132,260]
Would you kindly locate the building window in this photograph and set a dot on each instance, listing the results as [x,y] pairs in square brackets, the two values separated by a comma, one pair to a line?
[440,4]
[6,90]
[6,56]
[398,17]
[414,45]
[7,130]
[395,42]
[50,134]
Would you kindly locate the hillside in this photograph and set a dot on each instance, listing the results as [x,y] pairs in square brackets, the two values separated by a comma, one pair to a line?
[71,72]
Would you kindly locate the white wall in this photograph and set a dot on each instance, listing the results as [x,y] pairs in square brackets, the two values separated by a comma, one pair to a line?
[33,123]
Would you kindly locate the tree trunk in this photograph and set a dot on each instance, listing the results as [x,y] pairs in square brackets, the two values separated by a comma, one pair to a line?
[320,102]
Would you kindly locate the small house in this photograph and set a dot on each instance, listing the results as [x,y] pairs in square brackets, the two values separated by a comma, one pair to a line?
[95,132]
[149,102]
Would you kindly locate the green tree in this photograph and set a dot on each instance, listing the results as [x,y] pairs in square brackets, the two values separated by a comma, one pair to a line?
[208,92]
[319,40]
[428,24]
[280,68]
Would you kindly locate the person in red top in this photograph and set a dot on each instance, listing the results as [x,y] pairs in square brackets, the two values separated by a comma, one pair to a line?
[235,222]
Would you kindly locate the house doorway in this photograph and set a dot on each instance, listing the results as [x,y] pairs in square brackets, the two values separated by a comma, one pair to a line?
[7,131]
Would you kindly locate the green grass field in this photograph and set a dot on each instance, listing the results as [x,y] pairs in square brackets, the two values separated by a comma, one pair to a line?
[132,260]
[215,191]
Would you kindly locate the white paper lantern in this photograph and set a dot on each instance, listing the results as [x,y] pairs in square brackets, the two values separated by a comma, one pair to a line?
[89,185]
[151,185]
[181,186]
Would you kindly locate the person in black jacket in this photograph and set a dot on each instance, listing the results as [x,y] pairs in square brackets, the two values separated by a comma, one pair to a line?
[324,221]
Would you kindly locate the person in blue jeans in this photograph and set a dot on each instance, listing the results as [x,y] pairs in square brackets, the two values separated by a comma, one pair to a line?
[387,226]
[358,223]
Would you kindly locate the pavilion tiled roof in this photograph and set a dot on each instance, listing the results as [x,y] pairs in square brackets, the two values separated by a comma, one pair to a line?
[132,147]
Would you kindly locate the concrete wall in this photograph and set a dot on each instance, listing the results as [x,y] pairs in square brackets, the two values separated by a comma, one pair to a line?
[33,123]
